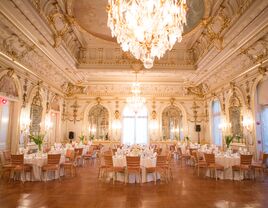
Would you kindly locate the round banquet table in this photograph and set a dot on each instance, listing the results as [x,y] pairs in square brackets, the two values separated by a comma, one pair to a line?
[120,161]
[227,162]
[37,161]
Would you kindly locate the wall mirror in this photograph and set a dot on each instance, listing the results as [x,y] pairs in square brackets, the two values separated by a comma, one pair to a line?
[235,118]
[172,126]
[36,114]
[98,118]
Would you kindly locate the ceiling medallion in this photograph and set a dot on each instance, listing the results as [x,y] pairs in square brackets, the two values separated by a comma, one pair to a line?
[147,28]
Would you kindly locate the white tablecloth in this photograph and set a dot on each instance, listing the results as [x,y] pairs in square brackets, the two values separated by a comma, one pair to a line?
[227,162]
[37,161]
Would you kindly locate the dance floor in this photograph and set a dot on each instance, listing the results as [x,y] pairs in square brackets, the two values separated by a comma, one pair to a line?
[85,190]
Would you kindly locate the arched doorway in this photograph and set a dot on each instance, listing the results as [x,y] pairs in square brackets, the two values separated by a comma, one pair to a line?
[135,126]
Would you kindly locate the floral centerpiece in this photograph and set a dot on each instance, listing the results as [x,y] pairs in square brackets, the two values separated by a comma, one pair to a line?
[37,139]
[82,138]
[228,140]
[91,137]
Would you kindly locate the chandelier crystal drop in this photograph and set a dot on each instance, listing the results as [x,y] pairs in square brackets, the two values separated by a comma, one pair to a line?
[136,102]
[147,28]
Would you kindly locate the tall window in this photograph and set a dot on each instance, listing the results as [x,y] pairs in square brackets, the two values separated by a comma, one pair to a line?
[216,120]
[4,116]
[135,126]
[264,121]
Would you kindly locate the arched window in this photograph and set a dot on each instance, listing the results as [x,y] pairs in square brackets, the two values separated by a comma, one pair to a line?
[135,126]
[216,120]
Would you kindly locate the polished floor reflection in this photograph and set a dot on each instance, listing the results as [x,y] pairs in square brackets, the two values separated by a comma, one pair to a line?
[186,190]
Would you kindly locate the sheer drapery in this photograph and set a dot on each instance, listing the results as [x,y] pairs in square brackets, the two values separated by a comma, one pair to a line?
[4,112]
[216,120]
[135,126]
[264,121]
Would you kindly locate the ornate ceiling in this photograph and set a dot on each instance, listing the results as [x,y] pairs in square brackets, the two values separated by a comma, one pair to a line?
[67,43]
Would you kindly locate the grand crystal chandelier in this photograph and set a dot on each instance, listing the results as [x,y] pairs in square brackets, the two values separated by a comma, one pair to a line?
[136,101]
[147,28]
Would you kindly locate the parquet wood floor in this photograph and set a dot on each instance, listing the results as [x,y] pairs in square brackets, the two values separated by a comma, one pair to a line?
[85,190]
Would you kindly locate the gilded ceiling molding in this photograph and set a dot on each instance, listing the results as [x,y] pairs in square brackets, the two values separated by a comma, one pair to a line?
[19,48]
[61,24]
[216,26]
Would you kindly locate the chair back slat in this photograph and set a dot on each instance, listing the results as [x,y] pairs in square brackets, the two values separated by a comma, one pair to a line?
[70,154]
[53,159]
[194,154]
[17,159]
[7,156]
[161,161]
[133,162]
[209,158]
[264,158]
[172,148]
[191,150]
[246,159]
[108,160]
[114,151]
[179,151]
[79,151]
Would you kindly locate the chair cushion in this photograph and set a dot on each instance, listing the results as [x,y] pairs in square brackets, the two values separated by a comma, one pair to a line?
[257,165]
[216,166]
[238,167]
[150,169]
[119,169]
[50,167]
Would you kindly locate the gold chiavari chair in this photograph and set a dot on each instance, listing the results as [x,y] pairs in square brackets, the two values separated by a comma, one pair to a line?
[18,166]
[260,166]
[53,165]
[70,164]
[133,166]
[109,167]
[212,165]
[244,166]
[198,163]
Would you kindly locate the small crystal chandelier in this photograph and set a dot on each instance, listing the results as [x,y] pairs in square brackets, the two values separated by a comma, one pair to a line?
[147,28]
[136,102]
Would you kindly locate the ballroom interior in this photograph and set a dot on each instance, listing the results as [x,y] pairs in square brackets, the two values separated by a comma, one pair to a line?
[154,103]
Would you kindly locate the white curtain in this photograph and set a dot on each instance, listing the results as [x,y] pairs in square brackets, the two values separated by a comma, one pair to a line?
[216,120]
[135,126]
[5,115]
[264,123]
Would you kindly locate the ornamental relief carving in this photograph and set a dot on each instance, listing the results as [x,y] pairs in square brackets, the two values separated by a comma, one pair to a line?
[258,51]
[18,47]
[115,56]
[60,22]
[215,26]
[124,90]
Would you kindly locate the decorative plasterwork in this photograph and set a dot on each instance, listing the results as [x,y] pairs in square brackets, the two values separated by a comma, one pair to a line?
[60,22]
[200,90]
[15,45]
[216,26]
[69,89]
[124,90]
[103,57]
[252,54]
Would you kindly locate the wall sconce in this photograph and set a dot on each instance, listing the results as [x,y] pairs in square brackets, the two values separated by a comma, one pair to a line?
[247,120]
[154,122]
[25,121]
[224,125]
[48,122]
[116,122]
